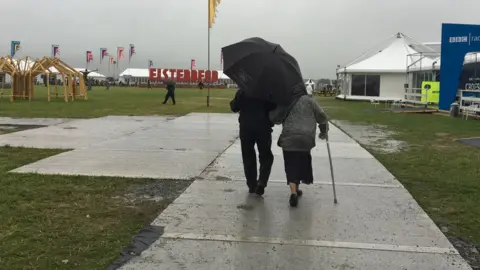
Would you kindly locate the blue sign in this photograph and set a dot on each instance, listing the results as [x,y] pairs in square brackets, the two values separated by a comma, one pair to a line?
[457,41]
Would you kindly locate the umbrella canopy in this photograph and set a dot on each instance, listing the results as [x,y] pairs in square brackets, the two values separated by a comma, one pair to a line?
[264,70]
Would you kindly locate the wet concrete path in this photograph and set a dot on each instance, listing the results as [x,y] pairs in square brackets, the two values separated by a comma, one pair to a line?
[216,224]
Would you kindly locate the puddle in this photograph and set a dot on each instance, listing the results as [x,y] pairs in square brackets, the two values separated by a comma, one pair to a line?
[377,137]
[245,207]
[9,128]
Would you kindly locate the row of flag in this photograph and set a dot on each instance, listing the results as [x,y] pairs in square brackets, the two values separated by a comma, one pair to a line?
[104,53]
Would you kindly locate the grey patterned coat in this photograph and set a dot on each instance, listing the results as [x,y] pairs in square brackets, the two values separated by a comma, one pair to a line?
[299,126]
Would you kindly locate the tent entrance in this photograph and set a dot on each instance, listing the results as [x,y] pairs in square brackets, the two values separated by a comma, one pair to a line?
[365,85]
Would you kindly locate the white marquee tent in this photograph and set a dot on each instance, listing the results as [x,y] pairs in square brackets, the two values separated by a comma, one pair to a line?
[382,76]
[311,83]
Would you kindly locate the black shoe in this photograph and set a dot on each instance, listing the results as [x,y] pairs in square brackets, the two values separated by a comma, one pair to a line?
[299,192]
[252,190]
[260,190]
[293,200]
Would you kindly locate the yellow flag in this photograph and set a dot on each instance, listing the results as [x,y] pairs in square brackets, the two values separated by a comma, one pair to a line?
[212,10]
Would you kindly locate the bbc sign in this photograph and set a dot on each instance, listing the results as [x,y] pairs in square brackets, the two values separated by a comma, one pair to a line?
[463,39]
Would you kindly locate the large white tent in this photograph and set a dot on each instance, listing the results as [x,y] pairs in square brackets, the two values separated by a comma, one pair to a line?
[311,83]
[382,76]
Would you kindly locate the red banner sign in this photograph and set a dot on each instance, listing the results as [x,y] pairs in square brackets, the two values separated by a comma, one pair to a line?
[183,75]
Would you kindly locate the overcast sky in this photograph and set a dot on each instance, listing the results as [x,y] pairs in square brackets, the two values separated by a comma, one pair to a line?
[319,33]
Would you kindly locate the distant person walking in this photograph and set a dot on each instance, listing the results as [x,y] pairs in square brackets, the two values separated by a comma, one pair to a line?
[89,84]
[170,93]
[107,84]
[297,140]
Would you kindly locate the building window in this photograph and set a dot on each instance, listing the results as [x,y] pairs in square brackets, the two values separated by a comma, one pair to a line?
[366,85]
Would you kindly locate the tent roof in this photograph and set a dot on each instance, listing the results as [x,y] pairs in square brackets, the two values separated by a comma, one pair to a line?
[143,72]
[92,74]
[309,81]
[393,59]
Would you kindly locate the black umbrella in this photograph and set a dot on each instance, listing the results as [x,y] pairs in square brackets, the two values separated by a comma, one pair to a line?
[264,70]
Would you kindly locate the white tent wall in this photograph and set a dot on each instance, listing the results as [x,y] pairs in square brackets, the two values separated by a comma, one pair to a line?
[392,85]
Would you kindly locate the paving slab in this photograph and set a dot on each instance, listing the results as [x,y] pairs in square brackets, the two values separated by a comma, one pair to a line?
[120,163]
[365,214]
[338,149]
[77,133]
[140,147]
[180,254]
[352,171]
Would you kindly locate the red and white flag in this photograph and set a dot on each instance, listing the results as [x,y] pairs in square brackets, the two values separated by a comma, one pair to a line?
[103,53]
[111,62]
[89,56]
[193,64]
[120,53]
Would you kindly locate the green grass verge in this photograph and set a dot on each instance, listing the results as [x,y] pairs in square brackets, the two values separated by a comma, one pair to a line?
[442,174]
[118,101]
[45,220]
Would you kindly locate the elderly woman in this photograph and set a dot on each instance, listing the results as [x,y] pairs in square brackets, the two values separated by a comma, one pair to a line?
[299,122]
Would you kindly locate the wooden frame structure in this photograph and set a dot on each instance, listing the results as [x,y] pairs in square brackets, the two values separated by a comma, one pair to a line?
[23,73]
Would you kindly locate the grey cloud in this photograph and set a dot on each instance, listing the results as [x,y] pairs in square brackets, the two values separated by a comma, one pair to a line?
[320,34]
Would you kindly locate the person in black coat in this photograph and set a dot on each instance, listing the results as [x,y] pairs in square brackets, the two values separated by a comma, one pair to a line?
[170,94]
[255,128]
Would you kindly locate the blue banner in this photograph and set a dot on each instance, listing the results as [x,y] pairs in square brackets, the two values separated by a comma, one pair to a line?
[457,41]
[14,48]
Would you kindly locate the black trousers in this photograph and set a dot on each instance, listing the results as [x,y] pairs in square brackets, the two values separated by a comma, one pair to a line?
[263,140]
[169,95]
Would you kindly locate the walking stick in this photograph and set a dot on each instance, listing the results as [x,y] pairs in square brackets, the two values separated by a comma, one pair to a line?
[331,171]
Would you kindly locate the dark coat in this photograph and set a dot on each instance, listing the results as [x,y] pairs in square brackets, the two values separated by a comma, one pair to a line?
[254,113]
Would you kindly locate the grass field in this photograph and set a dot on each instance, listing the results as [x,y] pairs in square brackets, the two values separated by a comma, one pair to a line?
[59,222]
[118,101]
[43,219]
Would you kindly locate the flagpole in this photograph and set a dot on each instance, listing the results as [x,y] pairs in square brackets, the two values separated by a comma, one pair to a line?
[208,54]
